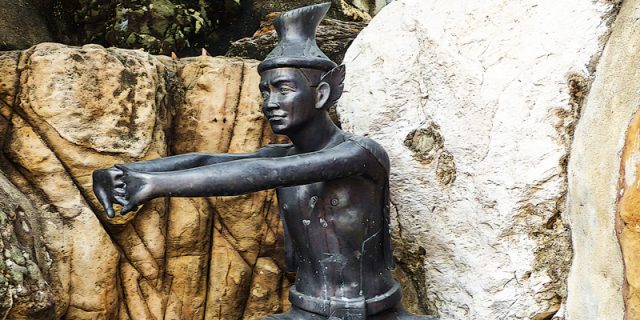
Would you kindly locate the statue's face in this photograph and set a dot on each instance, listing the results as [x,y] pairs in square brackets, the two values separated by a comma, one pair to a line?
[289,99]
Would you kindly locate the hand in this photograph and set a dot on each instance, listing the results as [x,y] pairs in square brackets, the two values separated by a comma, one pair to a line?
[108,188]
[138,189]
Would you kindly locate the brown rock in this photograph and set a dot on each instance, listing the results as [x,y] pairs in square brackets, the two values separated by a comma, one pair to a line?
[105,100]
[67,111]
[226,299]
[188,247]
[221,113]
[628,221]
[410,296]
[24,285]
[265,286]
[59,83]
[82,262]
[9,79]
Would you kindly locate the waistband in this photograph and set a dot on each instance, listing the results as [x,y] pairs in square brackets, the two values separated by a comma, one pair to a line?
[347,308]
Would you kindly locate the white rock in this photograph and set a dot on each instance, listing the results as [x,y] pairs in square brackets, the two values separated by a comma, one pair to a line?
[486,82]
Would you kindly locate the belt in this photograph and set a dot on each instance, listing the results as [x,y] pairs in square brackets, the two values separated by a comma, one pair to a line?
[347,308]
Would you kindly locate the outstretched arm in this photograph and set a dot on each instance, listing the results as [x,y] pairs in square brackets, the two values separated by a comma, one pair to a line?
[249,175]
[192,160]
[109,187]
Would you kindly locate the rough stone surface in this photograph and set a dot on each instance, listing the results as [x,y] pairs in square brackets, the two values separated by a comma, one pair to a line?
[24,288]
[9,80]
[372,7]
[220,113]
[264,299]
[116,109]
[22,25]
[603,171]
[56,160]
[67,111]
[478,122]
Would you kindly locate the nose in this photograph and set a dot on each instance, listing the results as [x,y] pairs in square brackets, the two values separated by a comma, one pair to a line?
[270,103]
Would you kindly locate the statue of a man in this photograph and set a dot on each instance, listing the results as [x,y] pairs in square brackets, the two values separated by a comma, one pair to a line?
[332,186]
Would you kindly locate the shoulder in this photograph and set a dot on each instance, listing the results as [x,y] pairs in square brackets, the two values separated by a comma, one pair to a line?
[374,148]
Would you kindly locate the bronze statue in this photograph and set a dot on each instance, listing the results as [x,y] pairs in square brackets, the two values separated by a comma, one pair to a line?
[332,186]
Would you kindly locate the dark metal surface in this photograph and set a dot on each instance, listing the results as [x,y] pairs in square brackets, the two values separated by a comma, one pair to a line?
[332,186]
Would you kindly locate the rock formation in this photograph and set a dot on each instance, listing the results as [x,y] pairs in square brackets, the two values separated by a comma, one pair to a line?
[476,104]
[24,290]
[603,171]
[67,111]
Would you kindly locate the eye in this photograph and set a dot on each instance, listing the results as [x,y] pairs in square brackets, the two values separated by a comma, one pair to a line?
[285,89]
[265,94]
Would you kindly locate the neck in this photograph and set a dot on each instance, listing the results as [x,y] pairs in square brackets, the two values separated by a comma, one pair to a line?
[316,135]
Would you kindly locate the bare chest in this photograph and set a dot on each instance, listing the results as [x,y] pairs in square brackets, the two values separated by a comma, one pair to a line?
[345,209]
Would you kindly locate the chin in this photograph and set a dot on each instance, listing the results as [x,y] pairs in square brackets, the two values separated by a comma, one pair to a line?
[279,128]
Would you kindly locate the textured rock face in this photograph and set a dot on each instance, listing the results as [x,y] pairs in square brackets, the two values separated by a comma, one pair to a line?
[22,25]
[177,259]
[603,174]
[221,113]
[478,121]
[24,287]
[55,171]
[117,115]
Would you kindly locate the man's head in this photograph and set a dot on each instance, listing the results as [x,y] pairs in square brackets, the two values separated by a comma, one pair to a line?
[298,81]
[293,97]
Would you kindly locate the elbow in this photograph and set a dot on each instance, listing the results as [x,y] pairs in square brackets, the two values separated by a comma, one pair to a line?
[200,159]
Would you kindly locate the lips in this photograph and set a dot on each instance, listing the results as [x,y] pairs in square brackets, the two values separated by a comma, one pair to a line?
[276,117]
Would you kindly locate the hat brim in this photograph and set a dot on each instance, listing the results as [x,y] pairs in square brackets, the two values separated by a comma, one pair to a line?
[297,62]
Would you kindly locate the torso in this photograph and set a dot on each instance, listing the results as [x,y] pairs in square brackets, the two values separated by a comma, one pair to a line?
[336,230]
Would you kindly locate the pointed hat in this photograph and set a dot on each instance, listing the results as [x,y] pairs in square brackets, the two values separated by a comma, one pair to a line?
[297,46]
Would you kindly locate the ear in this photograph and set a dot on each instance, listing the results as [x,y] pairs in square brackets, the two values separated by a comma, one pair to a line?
[335,79]
[323,91]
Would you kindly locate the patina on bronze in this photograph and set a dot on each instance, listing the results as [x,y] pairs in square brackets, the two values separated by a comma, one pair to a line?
[332,186]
